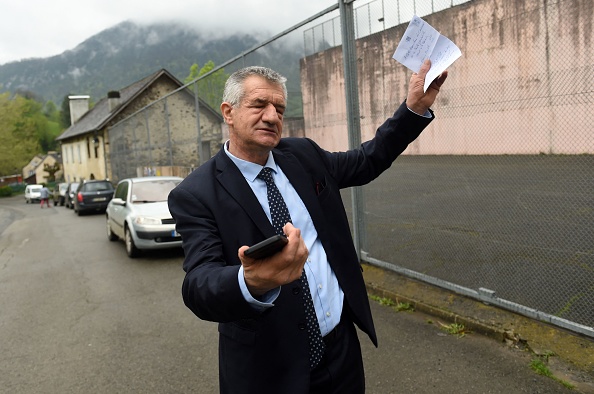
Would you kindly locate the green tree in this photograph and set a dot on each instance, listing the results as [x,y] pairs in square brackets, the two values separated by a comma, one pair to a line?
[65,113]
[210,89]
[194,74]
[50,110]
[51,170]
[19,126]
[46,130]
[48,134]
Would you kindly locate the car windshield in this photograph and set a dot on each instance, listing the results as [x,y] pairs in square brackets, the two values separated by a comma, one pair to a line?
[153,191]
[97,187]
[63,187]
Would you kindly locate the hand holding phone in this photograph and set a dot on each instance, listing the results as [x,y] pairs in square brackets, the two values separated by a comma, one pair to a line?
[266,248]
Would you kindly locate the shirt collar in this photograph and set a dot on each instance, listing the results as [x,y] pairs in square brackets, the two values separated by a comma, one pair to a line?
[248,169]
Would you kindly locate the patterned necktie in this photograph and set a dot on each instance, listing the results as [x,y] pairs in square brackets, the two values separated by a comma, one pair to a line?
[280,216]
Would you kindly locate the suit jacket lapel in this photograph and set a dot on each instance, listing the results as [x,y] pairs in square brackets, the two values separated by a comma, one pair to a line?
[232,180]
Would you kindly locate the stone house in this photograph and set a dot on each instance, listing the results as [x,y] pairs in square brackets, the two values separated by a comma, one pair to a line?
[86,149]
[34,172]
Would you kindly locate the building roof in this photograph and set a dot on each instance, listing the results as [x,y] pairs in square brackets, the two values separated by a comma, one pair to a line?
[99,116]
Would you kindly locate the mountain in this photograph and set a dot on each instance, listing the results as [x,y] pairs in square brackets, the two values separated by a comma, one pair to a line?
[119,56]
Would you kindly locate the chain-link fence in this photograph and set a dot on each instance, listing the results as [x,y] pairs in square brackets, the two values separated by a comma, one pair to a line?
[495,200]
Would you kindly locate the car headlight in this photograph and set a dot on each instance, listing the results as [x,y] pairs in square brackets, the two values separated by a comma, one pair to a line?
[146,220]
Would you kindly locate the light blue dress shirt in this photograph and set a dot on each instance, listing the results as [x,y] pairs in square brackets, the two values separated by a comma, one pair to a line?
[326,293]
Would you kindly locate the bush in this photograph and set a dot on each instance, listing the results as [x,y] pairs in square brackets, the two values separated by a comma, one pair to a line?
[5,191]
[18,187]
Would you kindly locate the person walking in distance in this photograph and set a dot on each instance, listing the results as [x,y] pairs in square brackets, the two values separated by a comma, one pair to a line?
[44,197]
[287,322]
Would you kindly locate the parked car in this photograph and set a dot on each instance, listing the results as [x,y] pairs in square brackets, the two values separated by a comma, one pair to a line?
[92,195]
[139,214]
[69,196]
[60,193]
[33,193]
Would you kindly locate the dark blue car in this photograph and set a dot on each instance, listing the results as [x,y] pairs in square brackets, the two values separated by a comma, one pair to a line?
[93,196]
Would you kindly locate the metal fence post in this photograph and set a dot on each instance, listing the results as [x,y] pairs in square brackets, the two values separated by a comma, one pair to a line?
[135,150]
[148,139]
[352,107]
[169,146]
[197,101]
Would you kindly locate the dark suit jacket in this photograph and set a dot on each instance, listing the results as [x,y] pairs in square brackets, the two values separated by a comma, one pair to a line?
[216,212]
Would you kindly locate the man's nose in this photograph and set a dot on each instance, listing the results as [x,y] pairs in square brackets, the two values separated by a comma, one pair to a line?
[270,115]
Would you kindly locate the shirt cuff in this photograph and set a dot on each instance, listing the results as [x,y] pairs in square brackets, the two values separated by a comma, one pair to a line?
[264,302]
[427,113]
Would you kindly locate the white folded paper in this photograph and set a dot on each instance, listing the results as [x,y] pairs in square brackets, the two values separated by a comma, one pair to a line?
[421,41]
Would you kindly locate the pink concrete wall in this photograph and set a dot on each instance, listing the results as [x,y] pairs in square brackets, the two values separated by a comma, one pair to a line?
[524,84]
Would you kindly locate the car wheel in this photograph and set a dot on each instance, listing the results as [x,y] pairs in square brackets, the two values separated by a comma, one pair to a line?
[110,235]
[131,248]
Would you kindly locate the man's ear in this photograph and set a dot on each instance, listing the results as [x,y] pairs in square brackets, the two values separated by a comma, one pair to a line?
[226,109]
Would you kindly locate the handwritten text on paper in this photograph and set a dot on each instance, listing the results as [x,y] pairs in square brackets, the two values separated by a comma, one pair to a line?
[421,41]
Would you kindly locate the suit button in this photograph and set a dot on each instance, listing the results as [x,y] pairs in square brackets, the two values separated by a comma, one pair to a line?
[302,326]
[296,290]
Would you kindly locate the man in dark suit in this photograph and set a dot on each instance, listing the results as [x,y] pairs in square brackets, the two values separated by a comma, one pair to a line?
[225,205]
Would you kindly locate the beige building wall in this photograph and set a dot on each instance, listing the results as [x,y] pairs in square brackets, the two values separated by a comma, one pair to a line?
[515,90]
[83,159]
[40,174]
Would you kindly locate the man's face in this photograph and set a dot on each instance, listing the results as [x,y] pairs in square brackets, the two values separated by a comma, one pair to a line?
[256,124]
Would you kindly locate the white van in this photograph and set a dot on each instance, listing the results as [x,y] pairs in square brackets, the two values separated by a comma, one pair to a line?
[33,193]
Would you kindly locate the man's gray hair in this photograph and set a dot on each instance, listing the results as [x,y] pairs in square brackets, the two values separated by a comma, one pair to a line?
[234,91]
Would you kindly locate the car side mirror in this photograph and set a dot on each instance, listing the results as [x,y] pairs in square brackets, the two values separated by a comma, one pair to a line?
[118,201]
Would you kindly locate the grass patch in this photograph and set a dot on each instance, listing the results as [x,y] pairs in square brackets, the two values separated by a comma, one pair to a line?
[397,306]
[456,329]
[404,307]
[540,366]
[382,300]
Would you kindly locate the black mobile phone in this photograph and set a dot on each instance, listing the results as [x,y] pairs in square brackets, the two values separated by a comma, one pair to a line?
[266,248]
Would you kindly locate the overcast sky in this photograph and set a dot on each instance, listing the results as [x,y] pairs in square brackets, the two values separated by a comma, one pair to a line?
[43,28]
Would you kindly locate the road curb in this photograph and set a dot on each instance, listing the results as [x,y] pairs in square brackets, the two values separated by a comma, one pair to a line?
[501,325]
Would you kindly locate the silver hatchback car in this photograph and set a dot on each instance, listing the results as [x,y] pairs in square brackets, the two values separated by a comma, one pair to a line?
[139,214]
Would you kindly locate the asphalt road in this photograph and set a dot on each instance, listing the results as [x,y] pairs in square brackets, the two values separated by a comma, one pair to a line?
[78,316]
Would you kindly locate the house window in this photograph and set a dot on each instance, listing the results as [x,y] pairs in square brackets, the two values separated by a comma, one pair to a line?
[79,155]
[88,147]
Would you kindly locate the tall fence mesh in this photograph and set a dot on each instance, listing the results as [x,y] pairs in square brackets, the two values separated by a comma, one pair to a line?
[496,194]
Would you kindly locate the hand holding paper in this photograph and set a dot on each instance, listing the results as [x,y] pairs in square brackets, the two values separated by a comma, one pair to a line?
[422,41]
